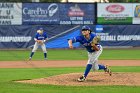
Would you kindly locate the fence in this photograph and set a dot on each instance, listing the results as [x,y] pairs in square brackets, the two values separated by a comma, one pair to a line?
[19,22]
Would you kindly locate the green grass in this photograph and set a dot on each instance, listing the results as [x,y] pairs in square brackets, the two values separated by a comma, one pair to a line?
[29,73]
[8,76]
[12,55]
[128,54]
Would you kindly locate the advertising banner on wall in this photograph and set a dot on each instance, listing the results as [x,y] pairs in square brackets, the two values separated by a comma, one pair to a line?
[114,13]
[40,13]
[57,13]
[16,36]
[10,13]
[23,36]
[77,13]
[58,35]
[119,35]
[136,13]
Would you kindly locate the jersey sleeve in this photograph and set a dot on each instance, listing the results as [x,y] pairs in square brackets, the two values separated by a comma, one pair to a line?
[45,36]
[36,36]
[75,39]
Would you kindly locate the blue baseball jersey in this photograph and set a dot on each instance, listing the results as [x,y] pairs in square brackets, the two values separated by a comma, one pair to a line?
[41,36]
[85,42]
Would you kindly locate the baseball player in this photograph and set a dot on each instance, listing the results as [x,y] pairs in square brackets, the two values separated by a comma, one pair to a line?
[91,42]
[40,38]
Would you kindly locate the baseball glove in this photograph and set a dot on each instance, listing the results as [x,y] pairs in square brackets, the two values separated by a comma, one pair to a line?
[40,42]
[95,40]
[94,43]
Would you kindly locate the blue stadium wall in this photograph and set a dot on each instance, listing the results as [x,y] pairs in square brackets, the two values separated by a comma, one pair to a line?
[111,35]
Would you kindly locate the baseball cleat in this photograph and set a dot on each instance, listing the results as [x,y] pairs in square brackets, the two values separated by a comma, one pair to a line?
[30,58]
[45,58]
[107,70]
[82,78]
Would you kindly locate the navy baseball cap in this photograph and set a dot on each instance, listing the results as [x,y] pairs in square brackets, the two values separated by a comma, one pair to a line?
[86,28]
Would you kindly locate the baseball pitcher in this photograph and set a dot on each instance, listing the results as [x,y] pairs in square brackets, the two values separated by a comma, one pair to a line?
[40,38]
[91,42]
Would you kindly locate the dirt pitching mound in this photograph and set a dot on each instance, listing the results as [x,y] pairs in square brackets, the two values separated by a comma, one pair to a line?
[94,78]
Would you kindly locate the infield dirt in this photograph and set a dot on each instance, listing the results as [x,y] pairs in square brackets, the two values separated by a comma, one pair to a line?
[94,78]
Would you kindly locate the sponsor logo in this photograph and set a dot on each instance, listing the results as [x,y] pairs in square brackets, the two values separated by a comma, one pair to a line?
[137,11]
[115,8]
[99,28]
[40,11]
[52,9]
[75,11]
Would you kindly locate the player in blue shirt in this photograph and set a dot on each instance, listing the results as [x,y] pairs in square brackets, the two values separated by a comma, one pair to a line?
[40,38]
[93,52]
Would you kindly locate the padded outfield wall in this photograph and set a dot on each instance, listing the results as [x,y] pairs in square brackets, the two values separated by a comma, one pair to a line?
[111,35]
[61,21]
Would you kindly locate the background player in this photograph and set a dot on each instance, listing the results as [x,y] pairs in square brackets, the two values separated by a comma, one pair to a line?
[40,38]
[94,51]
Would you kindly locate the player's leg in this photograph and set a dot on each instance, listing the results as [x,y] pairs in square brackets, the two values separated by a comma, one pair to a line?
[44,51]
[96,66]
[95,57]
[87,70]
[92,57]
[33,50]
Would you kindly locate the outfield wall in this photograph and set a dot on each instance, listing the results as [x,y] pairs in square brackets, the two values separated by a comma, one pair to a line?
[61,21]
[111,35]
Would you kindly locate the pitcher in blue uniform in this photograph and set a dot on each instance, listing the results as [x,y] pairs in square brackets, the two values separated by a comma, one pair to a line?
[85,39]
[40,39]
